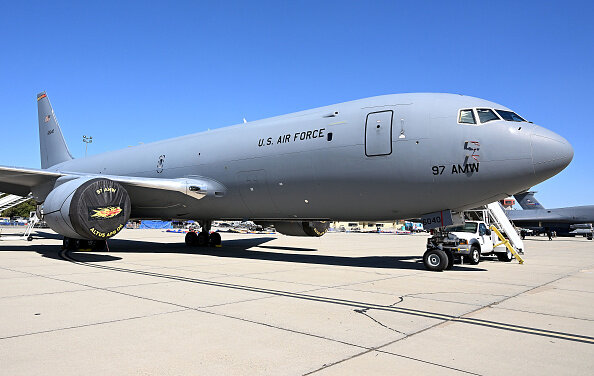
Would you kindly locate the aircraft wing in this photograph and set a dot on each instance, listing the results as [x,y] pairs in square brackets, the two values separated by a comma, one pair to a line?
[20,181]
[574,214]
[148,195]
[532,215]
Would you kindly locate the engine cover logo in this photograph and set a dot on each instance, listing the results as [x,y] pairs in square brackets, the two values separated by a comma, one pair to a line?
[105,213]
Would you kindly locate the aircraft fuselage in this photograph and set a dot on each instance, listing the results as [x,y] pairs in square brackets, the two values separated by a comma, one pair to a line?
[381,158]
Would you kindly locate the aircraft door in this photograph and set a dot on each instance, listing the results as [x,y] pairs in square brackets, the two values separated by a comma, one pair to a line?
[378,133]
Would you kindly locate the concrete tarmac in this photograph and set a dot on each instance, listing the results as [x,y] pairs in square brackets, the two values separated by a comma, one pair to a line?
[264,304]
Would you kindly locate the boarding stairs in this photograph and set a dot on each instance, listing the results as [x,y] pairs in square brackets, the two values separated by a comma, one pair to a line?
[500,223]
[33,220]
[494,215]
[500,220]
[9,201]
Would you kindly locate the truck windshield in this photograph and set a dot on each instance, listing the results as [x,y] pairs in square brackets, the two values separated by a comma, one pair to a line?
[467,227]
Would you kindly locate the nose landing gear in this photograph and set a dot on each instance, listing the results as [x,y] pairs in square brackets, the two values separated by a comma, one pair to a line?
[435,259]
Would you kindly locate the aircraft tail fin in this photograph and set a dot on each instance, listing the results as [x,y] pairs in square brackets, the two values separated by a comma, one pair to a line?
[527,200]
[52,146]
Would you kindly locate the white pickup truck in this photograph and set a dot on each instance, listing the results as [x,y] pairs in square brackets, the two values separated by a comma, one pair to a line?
[471,240]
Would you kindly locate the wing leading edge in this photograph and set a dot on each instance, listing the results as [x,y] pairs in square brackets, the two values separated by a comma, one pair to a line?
[21,181]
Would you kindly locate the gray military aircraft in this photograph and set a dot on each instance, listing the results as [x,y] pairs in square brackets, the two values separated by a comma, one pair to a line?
[381,158]
[569,221]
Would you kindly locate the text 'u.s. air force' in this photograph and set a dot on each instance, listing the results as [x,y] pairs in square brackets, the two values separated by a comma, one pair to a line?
[295,137]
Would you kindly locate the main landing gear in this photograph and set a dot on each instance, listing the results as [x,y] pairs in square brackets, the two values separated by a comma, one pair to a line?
[203,238]
[79,244]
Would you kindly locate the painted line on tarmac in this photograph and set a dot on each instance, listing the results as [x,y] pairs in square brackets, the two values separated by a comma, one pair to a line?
[351,303]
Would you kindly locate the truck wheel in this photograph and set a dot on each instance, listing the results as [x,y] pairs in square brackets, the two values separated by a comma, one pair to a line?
[435,260]
[506,257]
[474,257]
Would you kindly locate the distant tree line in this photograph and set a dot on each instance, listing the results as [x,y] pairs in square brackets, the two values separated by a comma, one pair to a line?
[20,210]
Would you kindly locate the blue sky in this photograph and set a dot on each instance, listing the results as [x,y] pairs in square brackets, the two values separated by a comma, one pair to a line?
[127,72]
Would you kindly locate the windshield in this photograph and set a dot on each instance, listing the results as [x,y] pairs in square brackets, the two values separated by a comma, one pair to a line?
[466,117]
[467,227]
[509,115]
[486,115]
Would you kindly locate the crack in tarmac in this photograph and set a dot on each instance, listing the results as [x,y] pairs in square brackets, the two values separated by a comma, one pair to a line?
[364,311]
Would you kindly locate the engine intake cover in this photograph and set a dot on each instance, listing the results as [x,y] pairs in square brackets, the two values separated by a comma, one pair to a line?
[94,209]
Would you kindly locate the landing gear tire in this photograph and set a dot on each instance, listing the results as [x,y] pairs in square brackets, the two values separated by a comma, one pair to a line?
[474,257]
[214,239]
[80,244]
[191,239]
[590,237]
[435,260]
[29,238]
[505,257]
[67,244]
[71,244]
[202,239]
[450,263]
[97,245]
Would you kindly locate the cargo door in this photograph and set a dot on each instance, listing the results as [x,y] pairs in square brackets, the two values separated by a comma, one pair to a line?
[378,133]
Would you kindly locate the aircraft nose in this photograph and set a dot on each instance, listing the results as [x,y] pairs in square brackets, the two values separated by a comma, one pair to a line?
[551,153]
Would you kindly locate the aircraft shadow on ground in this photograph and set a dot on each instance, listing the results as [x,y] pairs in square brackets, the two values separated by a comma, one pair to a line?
[243,249]
[236,249]
[52,251]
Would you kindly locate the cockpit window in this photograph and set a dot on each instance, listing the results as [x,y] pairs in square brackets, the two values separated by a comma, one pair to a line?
[509,116]
[467,117]
[486,115]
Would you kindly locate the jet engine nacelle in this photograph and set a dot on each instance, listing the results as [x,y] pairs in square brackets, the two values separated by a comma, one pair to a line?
[308,228]
[87,208]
